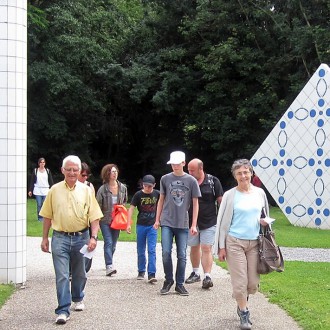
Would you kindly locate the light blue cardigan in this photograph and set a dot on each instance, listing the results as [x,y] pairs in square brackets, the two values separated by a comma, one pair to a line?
[225,216]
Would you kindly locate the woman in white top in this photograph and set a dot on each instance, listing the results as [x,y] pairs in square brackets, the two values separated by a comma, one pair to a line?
[40,182]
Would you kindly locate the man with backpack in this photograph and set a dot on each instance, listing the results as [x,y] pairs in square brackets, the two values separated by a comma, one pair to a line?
[201,244]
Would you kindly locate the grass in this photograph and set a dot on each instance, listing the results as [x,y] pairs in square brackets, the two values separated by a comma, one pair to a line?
[302,290]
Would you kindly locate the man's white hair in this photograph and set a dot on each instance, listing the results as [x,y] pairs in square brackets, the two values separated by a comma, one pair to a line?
[73,159]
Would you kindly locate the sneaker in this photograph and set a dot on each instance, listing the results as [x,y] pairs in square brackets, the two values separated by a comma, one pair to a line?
[193,278]
[244,319]
[207,283]
[181,290]
[79,306]
[110,271]
[166,287]
[152,278]
[62,318]
[140,276]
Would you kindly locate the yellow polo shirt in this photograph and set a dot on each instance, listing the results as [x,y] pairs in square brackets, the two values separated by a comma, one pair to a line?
[70,209]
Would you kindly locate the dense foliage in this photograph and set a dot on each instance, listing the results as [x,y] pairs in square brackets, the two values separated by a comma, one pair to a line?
[130,81]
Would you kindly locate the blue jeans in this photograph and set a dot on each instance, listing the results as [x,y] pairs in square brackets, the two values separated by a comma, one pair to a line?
[181,237]
[40,201]
[65,251]
[110,237]
[146,235]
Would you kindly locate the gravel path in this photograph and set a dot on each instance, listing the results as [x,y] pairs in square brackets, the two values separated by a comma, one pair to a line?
[303,254]
[122,302]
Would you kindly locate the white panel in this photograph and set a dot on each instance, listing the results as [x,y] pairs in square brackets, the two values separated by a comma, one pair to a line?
[11,227]
[11,260]
[3,47]
[11,147]
[12,64]
[3,149]
[3,130]
[11,97]
[3,260]
[3,14]
[3,208]
[3,59]
[3,244]
[11,114]
[3,228]
[3,101]
[3,79]
[3,274]
[298,175]
[11,244]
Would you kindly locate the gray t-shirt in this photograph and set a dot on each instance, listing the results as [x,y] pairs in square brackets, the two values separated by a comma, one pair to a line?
[178,191]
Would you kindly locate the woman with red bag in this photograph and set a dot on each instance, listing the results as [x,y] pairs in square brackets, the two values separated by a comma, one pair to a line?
[112,192]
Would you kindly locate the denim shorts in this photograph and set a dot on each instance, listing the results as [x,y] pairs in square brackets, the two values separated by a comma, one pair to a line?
[205,237]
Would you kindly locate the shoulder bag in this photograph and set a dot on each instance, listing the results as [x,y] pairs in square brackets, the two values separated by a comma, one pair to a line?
[270,255]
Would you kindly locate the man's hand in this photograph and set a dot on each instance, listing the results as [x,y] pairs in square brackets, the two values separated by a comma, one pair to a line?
[128,229]
[156,224]
[45,245]
[92,244]
[193,230]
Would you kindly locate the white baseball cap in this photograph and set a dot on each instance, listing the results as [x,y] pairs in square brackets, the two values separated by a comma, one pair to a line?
[177,157]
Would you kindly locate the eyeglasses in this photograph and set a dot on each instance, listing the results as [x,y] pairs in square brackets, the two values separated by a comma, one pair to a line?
[85,175]
[114,171]
[74,170]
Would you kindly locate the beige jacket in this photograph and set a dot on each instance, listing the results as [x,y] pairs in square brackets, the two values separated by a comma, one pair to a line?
[225,216]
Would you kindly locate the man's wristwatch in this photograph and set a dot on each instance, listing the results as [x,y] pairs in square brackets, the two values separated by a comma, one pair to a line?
[95,237]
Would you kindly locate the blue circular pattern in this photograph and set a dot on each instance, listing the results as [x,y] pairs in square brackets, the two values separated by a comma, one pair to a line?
[319,152]
[289,162]
[328,112]
[327,162]
[288,210]
[281,199]
[310,211]
[319,172]
[282,124]
[321,102]
[322,73]
[254,163]
[318,221]
[311,162]
[326,212]
[318,201]
[290,114]
[274,162]
[281,172]
[312,113]
[320,122]
[282,152]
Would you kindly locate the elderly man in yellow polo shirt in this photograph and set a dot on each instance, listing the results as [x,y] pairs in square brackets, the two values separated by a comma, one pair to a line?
[70,208]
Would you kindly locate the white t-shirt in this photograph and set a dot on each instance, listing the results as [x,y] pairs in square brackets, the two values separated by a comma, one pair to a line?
[41,187]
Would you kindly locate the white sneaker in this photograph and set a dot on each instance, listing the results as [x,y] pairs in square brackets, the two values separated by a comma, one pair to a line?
[110,271]
[62,318]
[79,306]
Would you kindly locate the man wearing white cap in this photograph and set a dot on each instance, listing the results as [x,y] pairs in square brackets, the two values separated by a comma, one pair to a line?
[177,191]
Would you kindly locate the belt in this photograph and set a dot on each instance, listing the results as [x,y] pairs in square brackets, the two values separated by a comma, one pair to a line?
[73,233]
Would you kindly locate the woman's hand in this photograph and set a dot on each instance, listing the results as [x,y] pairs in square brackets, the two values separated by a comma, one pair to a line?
[222,254]
[128,229]
[263,222]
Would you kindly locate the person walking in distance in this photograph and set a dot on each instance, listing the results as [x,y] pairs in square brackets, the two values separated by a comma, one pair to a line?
[177,191]
[201,244]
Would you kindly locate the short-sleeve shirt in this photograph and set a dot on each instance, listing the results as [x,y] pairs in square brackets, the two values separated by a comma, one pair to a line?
[211,189]
[147,207]
[70,209]
[178,191]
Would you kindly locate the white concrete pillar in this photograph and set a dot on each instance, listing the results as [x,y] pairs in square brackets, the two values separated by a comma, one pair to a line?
[13,151]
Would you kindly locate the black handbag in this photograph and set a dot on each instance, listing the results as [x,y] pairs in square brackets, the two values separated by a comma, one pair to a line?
[270,255]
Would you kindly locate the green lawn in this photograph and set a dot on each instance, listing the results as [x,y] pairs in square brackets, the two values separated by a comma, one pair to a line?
[303,289]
